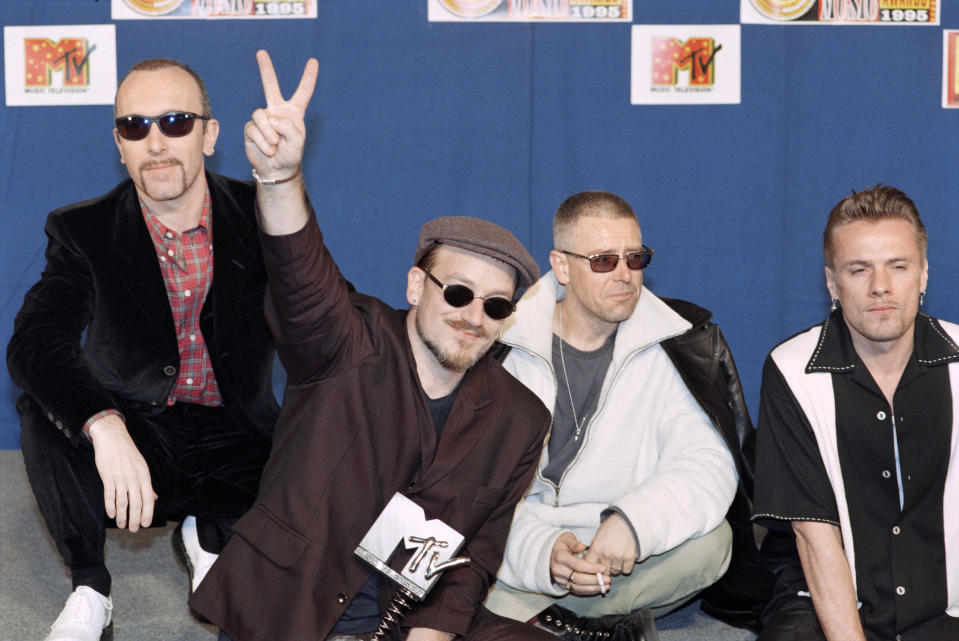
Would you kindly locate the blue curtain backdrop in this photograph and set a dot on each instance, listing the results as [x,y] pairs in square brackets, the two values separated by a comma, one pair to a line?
[413,119]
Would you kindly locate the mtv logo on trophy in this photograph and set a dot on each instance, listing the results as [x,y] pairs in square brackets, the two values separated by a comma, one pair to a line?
[403,521]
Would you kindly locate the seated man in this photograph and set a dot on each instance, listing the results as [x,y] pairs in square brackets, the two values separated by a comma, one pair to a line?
[858,440]
[143,353]
[379,401]
[636,478]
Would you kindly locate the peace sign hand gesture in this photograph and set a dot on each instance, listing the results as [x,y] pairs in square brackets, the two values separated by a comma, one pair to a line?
[275,136]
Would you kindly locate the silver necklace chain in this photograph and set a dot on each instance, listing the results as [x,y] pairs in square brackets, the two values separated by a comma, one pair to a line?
[562,361]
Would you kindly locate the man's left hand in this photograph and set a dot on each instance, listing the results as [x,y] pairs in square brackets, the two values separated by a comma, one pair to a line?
[614,546]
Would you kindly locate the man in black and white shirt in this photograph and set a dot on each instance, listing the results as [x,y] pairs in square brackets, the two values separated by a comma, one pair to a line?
[858,417]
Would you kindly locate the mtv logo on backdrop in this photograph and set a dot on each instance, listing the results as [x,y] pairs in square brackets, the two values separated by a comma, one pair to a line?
[60,65]
[694,56]
[685,64]
[44,57]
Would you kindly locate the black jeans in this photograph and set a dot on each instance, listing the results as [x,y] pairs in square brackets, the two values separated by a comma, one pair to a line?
[200,464]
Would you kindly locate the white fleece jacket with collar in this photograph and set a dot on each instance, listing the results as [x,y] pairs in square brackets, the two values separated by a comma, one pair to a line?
[649,450]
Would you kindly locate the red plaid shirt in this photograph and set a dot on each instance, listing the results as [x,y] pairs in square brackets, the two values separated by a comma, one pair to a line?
[186,261]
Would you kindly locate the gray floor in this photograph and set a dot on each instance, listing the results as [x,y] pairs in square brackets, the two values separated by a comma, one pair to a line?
[149,588]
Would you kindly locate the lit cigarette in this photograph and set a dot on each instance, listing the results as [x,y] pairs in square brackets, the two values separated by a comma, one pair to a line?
[602,585]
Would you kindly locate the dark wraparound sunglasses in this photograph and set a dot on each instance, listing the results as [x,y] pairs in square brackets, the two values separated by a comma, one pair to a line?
[496,307]
[603,263]
[174,124]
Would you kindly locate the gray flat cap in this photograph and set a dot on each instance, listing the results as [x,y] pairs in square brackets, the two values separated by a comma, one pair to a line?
[480,236]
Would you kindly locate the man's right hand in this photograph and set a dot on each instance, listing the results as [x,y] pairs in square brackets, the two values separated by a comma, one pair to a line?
[573,573]
[127,489]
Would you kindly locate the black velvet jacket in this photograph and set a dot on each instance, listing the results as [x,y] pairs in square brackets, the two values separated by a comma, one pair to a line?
[96,332]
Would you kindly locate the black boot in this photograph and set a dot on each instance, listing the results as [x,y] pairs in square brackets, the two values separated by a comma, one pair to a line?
[635,626]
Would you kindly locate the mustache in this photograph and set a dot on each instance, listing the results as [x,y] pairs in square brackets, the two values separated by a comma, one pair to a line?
[884,304]
[462,324]
[628,289]
[160,163]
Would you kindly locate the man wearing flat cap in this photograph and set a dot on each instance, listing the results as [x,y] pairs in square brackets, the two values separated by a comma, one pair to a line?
[379,401]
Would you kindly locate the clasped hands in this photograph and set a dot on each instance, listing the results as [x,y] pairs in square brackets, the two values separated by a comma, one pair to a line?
[575,566]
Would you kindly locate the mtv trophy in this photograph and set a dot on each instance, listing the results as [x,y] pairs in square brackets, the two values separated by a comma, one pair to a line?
[403,520]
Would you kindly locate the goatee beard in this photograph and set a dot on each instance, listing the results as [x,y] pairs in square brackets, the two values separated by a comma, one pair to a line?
[452,362]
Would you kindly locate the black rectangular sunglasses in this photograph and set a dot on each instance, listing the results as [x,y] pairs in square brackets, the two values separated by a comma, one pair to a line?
[603,263]
[174,124]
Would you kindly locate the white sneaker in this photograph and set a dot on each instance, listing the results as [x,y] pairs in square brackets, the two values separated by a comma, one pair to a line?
[87,616]
[187,545]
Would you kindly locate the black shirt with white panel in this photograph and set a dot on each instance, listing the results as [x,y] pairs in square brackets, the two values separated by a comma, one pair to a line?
[830,449]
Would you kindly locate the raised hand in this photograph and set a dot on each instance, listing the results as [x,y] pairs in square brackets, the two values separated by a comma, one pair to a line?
[275,136]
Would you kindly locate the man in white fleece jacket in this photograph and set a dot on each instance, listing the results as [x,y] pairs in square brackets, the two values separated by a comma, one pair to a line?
[627,509]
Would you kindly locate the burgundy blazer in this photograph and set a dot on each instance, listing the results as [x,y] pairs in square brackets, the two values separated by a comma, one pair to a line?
[354,429]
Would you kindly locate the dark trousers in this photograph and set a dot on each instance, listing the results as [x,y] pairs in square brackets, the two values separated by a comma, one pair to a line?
[486,627]
[200,464]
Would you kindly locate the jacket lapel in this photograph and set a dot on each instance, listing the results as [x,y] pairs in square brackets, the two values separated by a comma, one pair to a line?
[234,253]
[462,430]
[139,270]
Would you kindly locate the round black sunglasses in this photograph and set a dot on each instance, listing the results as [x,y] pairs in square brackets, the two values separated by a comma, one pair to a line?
[496,307]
